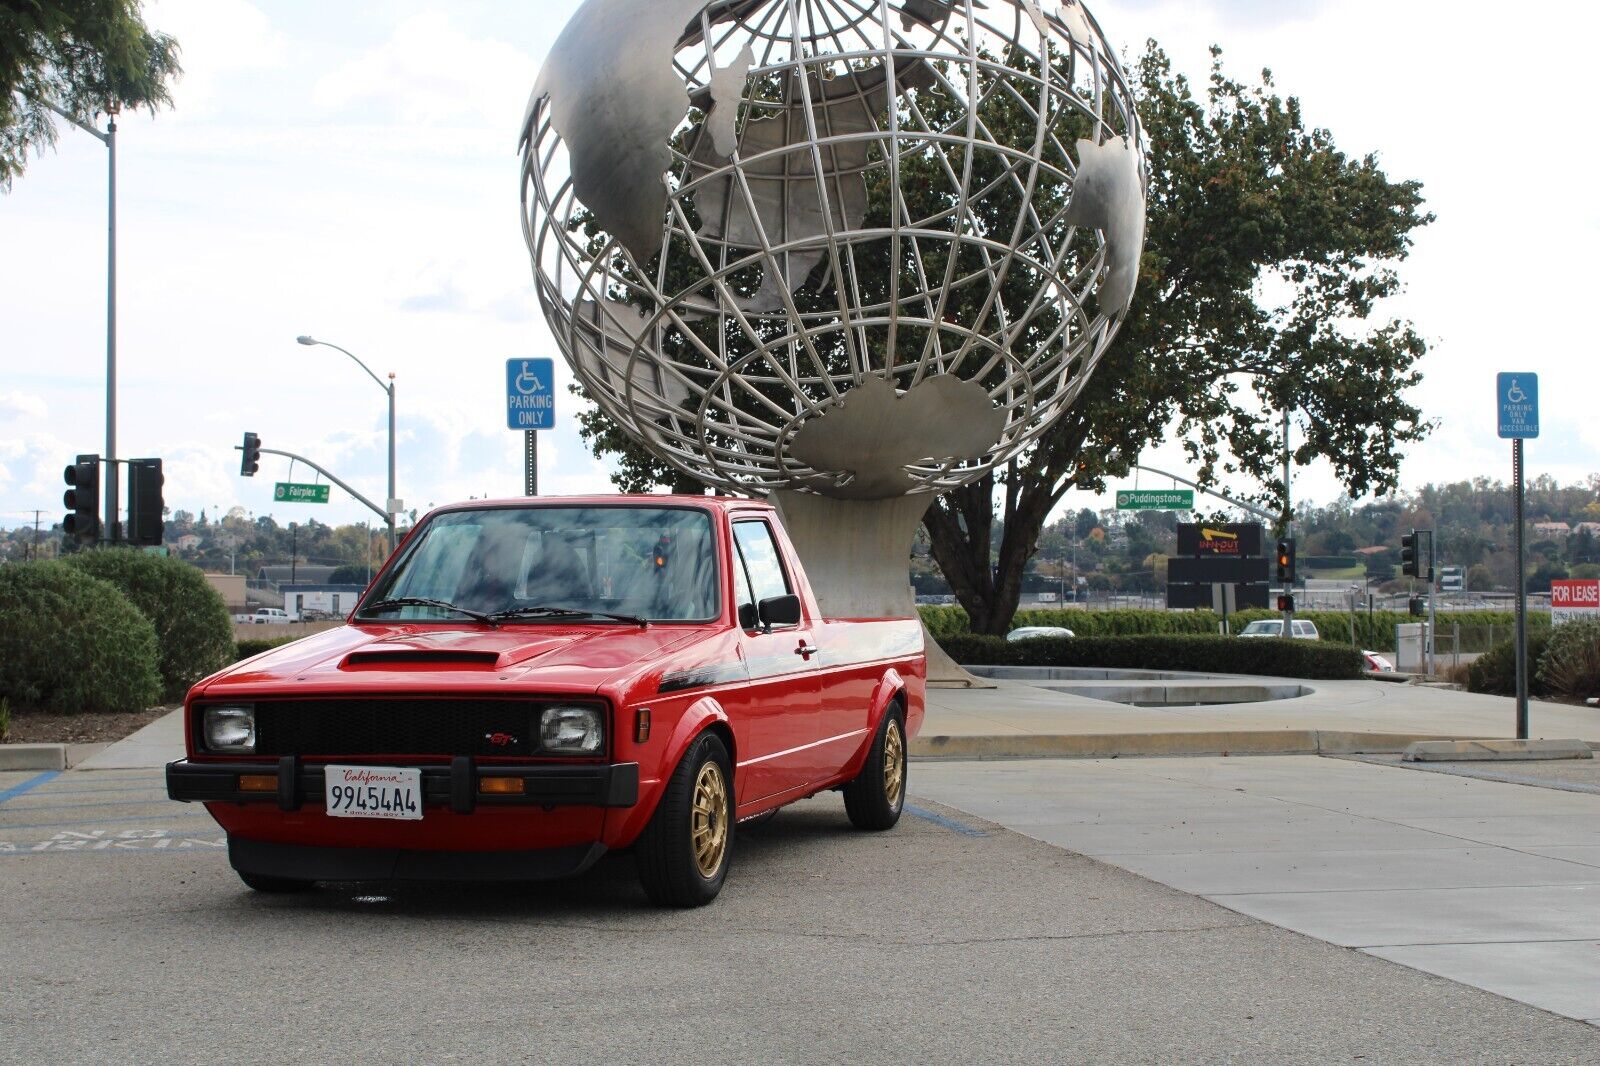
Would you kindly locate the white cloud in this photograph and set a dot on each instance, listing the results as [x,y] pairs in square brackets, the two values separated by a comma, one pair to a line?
[432,73]
[219,40]
[23,405]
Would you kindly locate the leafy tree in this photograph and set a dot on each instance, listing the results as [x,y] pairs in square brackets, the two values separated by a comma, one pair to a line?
[82,56]
[1245,200]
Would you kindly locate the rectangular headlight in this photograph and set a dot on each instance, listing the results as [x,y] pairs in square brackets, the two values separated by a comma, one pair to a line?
[573,730]
[230,730]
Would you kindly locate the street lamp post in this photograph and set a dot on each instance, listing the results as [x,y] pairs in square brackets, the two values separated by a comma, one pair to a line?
[389,504]
[109,139]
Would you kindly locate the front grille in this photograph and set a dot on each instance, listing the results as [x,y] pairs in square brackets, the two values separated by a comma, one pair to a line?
[397,727]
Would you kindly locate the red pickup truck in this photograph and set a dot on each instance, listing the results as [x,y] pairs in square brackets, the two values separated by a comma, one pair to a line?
[529,684]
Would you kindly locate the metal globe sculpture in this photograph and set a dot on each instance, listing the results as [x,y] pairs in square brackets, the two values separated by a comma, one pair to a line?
[846,250]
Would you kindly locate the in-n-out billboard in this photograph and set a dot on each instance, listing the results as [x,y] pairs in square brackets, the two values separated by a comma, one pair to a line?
[1571,600]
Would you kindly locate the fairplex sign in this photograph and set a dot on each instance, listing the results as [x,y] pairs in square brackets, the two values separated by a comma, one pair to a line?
[1572,600]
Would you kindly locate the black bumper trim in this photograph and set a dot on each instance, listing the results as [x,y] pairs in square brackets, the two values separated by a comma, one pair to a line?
[454,786]
[302,862]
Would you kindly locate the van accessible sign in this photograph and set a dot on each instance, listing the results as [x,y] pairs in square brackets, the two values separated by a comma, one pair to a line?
[1574,600]
[530,394]
[1518,407]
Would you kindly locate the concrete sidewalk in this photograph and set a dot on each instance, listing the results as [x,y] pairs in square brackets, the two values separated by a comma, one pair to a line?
[1490,884]
[1046,717]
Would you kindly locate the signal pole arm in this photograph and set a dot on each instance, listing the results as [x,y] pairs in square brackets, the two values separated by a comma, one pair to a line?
[325,473]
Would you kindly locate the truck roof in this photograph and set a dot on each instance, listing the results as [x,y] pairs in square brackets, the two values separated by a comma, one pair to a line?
[710,503]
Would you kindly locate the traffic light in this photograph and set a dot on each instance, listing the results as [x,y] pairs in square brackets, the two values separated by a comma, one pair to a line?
[250,461]
[1286,562]
[82,498]
[1408,554]
[1285,603]
[145,505]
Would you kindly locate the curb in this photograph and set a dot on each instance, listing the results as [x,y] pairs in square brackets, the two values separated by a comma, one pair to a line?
[1115,745]
[33,756]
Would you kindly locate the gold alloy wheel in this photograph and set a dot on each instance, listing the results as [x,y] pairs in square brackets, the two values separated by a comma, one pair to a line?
[894,763]
[709,820]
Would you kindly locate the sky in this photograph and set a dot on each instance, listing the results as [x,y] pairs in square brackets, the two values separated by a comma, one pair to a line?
[350,171]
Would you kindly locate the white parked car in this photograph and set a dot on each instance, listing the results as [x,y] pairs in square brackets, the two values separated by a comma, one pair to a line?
[264,615]
[1378,662]
[1273,627]
[1034,632]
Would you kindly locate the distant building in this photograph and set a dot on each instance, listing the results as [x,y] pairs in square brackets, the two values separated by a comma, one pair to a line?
[301,573]
[334,601]
[1591,528]
[1552,530]
[231,587]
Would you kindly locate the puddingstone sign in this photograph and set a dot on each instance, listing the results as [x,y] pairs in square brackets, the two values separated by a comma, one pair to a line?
[847,255]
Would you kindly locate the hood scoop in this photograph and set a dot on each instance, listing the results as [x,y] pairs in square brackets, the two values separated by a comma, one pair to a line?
[479,650]
[423,656]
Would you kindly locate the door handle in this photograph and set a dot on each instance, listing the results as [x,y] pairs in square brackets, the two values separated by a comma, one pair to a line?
[806,651]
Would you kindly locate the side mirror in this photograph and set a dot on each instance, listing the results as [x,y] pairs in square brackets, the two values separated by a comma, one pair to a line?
[780,611]
[749,618]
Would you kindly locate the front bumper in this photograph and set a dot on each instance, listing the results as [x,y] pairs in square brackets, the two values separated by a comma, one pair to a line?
[455,785]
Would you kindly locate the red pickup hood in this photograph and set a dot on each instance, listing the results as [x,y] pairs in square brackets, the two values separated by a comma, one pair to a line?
[401,657]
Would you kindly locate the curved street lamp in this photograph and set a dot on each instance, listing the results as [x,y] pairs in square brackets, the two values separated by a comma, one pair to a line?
[390,504]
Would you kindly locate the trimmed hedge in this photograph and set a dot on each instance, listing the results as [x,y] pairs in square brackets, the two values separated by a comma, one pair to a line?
[70,642]
[1495,671]
[1376,631]
[244,649]
[1202,654]
[193,629]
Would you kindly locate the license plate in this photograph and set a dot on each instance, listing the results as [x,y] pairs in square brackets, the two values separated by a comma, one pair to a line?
[373,792]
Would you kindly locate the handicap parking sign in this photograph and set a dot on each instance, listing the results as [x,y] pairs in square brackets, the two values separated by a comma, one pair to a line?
[1518,405]
[530,394]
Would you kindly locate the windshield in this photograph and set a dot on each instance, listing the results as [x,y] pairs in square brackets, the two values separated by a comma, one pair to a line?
[1272,628]
[656,563]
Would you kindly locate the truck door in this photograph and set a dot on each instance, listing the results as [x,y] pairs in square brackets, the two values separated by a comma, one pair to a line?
[781,705]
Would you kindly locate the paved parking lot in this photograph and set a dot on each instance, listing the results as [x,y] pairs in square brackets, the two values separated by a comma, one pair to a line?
[125,937]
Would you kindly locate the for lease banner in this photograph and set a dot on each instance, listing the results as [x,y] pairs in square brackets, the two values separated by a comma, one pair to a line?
[1571,600]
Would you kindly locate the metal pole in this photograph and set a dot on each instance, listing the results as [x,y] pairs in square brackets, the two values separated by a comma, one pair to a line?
[530,462]
[1432,617]
[113,495]
[389,503]
[1522,597]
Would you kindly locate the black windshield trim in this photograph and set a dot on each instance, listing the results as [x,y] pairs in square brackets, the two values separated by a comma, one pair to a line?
[415,538]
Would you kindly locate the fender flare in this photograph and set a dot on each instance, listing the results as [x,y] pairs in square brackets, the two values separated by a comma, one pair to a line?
[704,713]
[891,686]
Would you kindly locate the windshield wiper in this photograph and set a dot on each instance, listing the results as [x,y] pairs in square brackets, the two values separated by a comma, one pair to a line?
[423,601]
[565,612]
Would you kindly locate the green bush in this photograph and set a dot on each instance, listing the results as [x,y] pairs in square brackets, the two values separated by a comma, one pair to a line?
[1495,671]
[70,642]
[193,629]
[252,646]
[1570,663]
[1206,654]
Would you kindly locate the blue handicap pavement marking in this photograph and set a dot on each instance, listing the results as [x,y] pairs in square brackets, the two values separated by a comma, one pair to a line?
[943,822]
[530,394]
[1517,405]
[27,786]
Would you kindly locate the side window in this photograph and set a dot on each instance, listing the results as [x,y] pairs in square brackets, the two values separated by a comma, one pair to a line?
[759,554]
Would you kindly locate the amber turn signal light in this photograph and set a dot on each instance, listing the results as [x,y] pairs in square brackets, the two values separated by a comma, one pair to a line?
[500,786]
[641,725]
[258,782]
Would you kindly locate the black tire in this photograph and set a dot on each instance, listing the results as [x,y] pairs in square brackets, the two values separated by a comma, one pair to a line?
[683,853]
[275,885]
[877,795]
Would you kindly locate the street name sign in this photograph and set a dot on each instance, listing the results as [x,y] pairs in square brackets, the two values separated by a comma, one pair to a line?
[290,492]
[1518,405]
[1155,499]
[1452,579]
[530,394]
